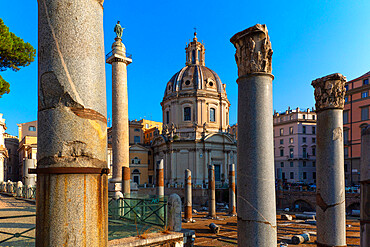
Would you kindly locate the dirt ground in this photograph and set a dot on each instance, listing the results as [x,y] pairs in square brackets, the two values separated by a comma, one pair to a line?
[286,229]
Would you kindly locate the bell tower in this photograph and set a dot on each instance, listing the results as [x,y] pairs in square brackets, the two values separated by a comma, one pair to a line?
[195,52]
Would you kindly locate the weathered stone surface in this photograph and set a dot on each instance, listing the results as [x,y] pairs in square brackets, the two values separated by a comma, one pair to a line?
[71,208]
[232,194]
[211,192]
[174,213]
[329,92]
[188,217]
[160,178]
[330,193]
[256,177]
[29,179]
[253,50]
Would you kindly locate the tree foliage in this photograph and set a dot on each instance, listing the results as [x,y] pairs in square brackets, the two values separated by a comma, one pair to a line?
[14,53]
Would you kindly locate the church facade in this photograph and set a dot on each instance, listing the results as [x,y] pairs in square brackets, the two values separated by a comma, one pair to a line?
[196,130]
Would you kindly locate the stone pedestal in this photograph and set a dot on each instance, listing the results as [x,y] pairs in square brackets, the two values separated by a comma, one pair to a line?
[72,179]
[330,192]
[29,178]
[211,192]
[365,188]
[120,121]
[188,217]
[256,177]
[174,213]
[232,194]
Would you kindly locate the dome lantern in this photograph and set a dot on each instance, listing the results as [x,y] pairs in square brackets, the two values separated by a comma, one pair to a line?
[195,52]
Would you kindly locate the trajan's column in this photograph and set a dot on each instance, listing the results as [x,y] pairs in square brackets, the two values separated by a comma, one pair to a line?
[72,179]
[120,126]
[256,179]
[330,192]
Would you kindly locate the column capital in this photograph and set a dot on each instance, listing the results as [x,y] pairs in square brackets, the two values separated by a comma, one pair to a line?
[253,50]
[329,92]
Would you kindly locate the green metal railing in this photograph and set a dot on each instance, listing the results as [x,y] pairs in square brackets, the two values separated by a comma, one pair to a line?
[140,209]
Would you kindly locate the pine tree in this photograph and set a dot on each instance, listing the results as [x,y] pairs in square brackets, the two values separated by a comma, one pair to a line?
[14,53]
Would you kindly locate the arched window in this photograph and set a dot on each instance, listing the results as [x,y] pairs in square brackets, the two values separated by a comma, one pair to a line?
[187,114]
[193,56]
[212,115]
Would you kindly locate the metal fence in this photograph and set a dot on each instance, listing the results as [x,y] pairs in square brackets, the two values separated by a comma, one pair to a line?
[140,209]
[18,190]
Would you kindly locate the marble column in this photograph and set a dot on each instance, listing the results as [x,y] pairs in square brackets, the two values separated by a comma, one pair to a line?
[188,197]
[72,172]
[232,194]
[256,180]
[120,122]
[211,192]
[29,178]
[160,179]
[365,188]
[330,192]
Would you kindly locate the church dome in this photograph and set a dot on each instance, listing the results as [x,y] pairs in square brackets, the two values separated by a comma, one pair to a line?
[195,75]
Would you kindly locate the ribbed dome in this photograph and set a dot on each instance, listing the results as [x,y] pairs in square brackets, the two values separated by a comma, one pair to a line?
[194,77]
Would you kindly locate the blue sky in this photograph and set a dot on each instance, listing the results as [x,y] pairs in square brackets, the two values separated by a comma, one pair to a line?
[310,39]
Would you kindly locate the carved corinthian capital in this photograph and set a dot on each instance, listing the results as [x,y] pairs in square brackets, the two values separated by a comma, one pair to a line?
[253,50]
[329,92]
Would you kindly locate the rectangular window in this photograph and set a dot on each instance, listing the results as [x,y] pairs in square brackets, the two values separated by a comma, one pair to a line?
[304,139]
[281,132]
[346,99]
[345,136]
[313,140]
[281,152]
[304,129]
[366,82]
[313,163]
[32,128]
[282,164]
[364,113]
[291,175]
[313,130]
[212,113]
[364,94]
[137,139]
[314,151]
[217,173]
[187,114]
[345,117]
[291,140]
[291,153]
[304,175]
[304,153]
[137,130]
[346,87]
[281,141]
[313,117]
[304,164]
[283,175]
[290,130]
[314,175]
[304,116]
[167,117]
[291,164]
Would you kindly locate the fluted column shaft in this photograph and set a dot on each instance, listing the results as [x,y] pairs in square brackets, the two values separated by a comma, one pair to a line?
[211,192]
[160,179]
[232,194]
[188,196]
[365,187]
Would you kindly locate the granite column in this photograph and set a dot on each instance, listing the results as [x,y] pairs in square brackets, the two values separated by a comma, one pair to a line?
[330,192]
[211,192]
[232,194]
[256,179]
[160,179]
[188,196]
[120,126]
[365,187]
[72,173]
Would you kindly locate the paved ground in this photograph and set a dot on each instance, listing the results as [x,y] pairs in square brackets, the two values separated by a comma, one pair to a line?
[286,229]
[10,207]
